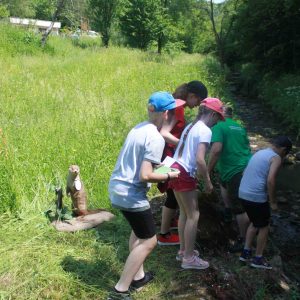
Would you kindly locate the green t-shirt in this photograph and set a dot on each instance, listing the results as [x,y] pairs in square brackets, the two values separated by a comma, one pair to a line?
[236,150]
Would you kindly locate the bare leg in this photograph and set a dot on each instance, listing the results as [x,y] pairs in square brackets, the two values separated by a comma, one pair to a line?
[140,249]
[243,223]
[188,202]
[261,240]
[251,232]
[225,197]
[167,215]
[181,221]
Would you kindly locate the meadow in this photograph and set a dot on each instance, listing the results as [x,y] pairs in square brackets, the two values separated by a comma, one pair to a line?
[67,105]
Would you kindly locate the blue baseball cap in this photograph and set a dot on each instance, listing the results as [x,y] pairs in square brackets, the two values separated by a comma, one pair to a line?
[162,101]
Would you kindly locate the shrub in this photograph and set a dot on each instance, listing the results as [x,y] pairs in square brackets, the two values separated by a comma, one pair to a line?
[86,42]
[283,95]
[20,41]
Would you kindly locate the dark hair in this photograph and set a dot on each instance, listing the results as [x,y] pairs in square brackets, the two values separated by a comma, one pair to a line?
[282,141]
[198,88]
[228,110]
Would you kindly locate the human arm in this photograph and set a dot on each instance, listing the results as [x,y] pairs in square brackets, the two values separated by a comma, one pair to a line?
[147,173]
[166,129]
[202,168]
[214,155]
[271,180]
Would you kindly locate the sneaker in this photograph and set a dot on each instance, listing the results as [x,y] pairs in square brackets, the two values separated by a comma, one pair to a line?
[195,262]
[237,246]
[245,255]
[138,284]
[116,295]
[180,254]
[174,224]
[168,239]
[260,263]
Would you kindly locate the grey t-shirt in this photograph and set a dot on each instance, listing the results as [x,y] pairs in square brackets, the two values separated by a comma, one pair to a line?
[126,191]
[253,185]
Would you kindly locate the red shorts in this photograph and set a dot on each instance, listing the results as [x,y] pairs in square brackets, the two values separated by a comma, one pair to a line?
[184,182]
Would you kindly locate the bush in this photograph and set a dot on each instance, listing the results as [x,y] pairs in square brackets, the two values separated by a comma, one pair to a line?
[283,95]
[20,41]
[249,80]
[86,42]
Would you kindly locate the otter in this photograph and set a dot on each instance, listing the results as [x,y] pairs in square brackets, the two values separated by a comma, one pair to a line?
[75,189]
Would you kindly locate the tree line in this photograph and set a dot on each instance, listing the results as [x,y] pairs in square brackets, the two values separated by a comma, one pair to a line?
[262,33]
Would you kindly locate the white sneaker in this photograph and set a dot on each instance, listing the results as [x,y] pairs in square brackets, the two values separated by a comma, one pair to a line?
[180,254]
[194,262]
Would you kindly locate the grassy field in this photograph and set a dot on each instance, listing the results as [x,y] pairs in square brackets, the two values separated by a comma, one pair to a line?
[65,106]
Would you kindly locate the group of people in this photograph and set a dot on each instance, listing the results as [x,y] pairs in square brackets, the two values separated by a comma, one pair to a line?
[246,182]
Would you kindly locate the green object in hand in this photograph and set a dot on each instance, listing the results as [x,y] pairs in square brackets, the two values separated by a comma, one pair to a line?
[164,170]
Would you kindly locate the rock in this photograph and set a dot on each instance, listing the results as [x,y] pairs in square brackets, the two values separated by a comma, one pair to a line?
[289,159]
[276,262]
[282,199]
[295,207]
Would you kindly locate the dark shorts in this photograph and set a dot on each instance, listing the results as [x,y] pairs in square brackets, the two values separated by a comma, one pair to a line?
[171,201]
[184,182]
[141,222]
[232,187]
[259,213]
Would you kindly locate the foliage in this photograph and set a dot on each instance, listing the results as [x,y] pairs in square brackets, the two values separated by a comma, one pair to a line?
[145,21]
[103,14]
[43,9]
[4,13]
[283,95]
[17,8]
[86,42]
[16,41]
[267,34]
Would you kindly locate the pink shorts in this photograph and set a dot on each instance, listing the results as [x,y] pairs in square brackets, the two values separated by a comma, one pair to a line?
[184,182]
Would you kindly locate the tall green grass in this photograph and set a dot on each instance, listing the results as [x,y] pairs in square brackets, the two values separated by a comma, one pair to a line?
[72,106]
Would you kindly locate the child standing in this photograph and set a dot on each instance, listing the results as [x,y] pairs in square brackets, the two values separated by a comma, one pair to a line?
[190,160]
[257,191]
[128,187]
[192,93]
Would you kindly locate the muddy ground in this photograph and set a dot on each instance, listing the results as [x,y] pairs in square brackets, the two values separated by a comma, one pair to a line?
[227,278]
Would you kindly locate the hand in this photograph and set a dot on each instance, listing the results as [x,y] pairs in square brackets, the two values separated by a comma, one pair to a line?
[274,206]
[174,174]
[208,188]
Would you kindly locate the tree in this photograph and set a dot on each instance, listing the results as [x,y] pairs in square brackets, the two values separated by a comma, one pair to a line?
[103,13]
[146,21]
[267,34]
[59,7]
[222,18]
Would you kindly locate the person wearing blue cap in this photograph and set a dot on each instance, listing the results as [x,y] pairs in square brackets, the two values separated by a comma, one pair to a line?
[128,186]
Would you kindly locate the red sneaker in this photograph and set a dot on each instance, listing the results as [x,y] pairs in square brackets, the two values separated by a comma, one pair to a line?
[168,239]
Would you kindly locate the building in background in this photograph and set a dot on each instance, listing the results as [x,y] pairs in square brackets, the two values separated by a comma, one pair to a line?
[38,25]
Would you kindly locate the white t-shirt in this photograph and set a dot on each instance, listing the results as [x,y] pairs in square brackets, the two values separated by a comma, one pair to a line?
[126,191]
[199,133]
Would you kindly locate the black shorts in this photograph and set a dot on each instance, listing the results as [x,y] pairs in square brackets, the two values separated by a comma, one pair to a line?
[141,222]
[171,201]
[232,187]
[259,213]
